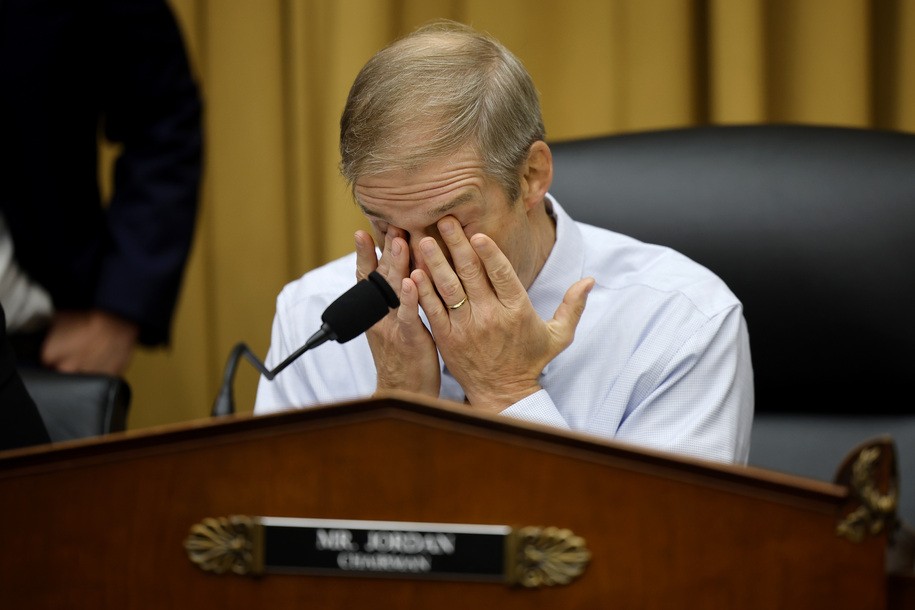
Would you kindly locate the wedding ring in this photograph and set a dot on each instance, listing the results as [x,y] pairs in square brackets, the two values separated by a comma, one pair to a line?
[457,305]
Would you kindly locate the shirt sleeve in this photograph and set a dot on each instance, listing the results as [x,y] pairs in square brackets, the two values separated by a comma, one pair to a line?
[287,388]
[703,403]
[538,408]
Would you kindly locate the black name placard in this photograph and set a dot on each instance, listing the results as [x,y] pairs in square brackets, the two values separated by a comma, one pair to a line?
[528,556]
[386,548]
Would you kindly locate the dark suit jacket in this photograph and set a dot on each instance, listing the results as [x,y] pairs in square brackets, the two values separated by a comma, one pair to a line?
[20,422]
[70,70]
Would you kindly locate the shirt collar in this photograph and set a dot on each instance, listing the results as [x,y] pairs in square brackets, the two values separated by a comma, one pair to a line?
[563,267]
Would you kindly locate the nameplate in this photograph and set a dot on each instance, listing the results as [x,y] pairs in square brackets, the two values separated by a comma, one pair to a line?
[253,546]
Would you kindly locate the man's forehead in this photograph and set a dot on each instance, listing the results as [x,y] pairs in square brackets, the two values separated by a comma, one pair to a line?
[438,182]
[378,210]
[407,167]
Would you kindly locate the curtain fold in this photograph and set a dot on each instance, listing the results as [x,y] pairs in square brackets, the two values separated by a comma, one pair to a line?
[275,75]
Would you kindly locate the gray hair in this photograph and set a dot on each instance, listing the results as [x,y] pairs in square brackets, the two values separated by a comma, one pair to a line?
[434,91]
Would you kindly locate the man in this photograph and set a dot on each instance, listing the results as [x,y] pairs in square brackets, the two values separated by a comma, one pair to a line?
[443,144]
[83,282]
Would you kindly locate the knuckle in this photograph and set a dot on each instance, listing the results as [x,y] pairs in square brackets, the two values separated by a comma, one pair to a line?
[468,270]
[501,273]
[450,290]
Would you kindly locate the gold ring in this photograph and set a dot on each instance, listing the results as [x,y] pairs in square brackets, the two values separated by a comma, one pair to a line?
[458,305]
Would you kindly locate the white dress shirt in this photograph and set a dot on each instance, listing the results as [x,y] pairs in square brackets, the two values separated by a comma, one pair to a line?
[660,359]
[27,304]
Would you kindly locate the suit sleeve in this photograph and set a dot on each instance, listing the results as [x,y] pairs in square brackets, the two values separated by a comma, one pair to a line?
[152,108]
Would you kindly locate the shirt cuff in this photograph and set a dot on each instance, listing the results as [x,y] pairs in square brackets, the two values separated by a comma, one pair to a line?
[538,408]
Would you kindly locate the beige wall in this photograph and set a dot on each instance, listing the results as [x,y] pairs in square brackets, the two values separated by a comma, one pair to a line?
[275,74]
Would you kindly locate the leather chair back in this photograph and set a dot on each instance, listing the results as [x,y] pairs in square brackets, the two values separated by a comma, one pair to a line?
[813,228]
[78,405]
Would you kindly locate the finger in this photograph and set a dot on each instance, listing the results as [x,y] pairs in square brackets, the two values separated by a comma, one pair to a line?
[569,312]
[366,257]
[443,276]
[59,356]
[411,327]
[500,272]
[49,356]
[409,301]
[384,263]
[464,260]
[398,258]
[394,264]
[435,310]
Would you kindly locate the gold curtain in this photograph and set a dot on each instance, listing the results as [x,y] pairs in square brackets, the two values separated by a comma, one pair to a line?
[275,74]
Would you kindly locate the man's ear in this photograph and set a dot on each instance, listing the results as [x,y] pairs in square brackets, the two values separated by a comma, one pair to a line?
[537,174]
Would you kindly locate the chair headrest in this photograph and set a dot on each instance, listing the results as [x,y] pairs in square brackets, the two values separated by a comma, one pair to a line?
[813,228]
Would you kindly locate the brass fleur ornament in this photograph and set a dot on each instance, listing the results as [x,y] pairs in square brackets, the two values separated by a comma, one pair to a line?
[226,544]
[540,557]
[876,509]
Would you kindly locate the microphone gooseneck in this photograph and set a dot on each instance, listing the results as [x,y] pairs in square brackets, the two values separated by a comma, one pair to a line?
[354,312]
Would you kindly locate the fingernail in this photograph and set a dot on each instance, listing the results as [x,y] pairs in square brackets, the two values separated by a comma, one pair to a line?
[446,226]
[427,246]
[395,247]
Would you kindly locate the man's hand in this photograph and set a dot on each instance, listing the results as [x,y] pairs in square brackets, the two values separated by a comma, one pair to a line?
[494,343]
[403,350]
[91,341]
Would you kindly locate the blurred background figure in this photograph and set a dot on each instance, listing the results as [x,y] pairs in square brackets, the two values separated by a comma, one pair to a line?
[84,279]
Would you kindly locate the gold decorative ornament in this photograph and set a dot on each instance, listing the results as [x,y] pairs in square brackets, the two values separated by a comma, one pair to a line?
[540,557]
[877,510]
[227,544]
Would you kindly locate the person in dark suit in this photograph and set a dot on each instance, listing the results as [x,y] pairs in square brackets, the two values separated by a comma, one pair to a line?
[20,423]
[71,71]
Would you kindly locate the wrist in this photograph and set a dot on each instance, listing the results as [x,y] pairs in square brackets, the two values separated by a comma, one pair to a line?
[502,397]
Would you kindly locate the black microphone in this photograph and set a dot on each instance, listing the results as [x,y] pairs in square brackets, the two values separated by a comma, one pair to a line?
[354,312]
